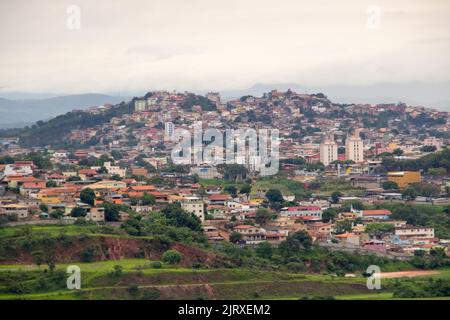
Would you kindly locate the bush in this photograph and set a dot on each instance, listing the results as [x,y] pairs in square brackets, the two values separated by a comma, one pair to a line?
[172,257]
[296,266]
[87,255]
[117,272]
[133,290]
[151,294]
[156,265]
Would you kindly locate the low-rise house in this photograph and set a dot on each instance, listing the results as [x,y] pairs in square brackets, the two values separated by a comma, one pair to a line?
[320,228]
[380,214]
[206,172]
[311,212]
[23,168]
[28,189]
[20,211]
[218,199]
[96,214]
[375,246]
[414,233]
[251,234]
[348,238]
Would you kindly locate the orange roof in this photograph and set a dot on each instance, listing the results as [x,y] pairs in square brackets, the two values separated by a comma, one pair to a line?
[244,226]
[219,197]
[23,179]
[377,212]
[143,188]
[87,171]
[56,191]
[135,194]
[35,184]
[345,235]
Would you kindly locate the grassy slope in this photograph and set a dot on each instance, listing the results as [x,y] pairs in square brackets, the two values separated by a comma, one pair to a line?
[185,283]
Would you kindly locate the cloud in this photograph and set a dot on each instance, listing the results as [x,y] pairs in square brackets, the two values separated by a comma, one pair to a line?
[203,44]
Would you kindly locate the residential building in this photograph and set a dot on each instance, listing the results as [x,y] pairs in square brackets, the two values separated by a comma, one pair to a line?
[354,149]
[328,151]
[194,205]
[311,212]
[414,232]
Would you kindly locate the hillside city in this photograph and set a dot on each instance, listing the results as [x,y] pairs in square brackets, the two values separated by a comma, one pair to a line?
[353,178]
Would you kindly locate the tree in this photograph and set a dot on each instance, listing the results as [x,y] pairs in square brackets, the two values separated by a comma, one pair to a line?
[171,257]
[232,190]
[389,185]
[409,193]
[335,196]
[133,290]
[264,250]
[246,189]
[428,149]
[235,237]
[329,214]
[180,218]
[57,214]
[51,184]
[73,178]
[274,195]
[38,257]
[262,216]
[88,196]
[43,207]
[294,243]
[148,199]
[378,228]
[397,152]
[234,172]
[134,201]
[343,226]
[78,212]
[437,171]
[112,211]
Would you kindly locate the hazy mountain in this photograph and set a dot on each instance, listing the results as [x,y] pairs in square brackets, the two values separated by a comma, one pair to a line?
[435,95]
[18,113]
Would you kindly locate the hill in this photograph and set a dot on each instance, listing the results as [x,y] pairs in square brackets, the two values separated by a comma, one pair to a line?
[21,112]
[53,132]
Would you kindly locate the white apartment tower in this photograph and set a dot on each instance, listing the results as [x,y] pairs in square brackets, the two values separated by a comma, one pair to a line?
[328,151]
[354,148]
[169,130]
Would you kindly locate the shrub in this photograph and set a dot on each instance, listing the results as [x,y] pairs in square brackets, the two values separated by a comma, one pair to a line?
[133,290]
[156,265]
[151,294]
[87,255]
[172,257]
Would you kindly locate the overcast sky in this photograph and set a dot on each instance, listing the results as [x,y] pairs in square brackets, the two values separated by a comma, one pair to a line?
[222,45]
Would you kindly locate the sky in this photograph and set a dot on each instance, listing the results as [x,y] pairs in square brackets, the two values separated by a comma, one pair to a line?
[80,46]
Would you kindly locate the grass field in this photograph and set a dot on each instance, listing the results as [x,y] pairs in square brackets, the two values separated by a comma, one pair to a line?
[139,280]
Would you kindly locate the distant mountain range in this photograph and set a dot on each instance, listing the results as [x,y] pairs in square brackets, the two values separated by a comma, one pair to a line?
[19,113]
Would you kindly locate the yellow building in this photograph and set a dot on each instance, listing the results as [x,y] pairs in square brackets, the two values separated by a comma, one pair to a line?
[48,199]
[404,178]
[106,184]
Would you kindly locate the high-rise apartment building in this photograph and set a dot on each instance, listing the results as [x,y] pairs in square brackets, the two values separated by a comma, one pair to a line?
[328,151]
[354,148]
